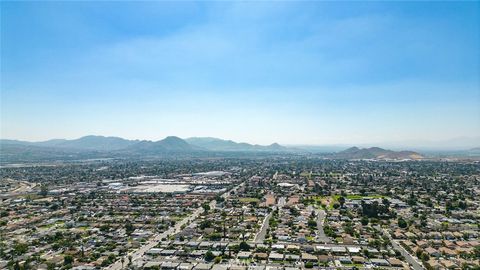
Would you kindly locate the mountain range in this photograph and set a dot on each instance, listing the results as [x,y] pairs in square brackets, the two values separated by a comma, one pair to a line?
[115,144]
[214,144]
[102,147]
[376,153]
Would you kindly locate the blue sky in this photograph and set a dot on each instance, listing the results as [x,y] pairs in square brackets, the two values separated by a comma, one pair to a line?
[289,72]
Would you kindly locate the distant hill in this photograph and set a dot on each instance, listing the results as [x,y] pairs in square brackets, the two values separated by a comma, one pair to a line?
[98,143]
[215,144]
[50,143]
[376,153]
[169,144]
[91,142]
[18,152]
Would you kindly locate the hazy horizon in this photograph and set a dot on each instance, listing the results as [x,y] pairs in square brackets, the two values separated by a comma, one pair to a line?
[459,143]
[311,73]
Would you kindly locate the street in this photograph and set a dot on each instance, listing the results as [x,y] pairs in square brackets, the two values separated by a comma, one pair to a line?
[410,259]
[321,237]
[137,254]
[263,230]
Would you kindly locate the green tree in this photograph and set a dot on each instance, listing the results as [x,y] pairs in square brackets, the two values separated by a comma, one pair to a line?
[209,256]
[364,221]
[425,257]
[43,190]
[206,207]
[402,223]
[20,248]
[244,246]
[129,228]
[51,265]
[341,200]
[67,260]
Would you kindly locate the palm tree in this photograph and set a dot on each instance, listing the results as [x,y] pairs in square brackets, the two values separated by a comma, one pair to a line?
[224,216]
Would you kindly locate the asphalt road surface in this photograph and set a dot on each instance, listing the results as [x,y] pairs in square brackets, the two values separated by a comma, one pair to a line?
[263,231]
[321,237]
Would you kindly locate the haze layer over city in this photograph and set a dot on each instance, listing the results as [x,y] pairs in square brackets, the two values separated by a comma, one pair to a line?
[239,135]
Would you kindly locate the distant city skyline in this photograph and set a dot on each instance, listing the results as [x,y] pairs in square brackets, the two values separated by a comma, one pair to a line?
[314,73]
